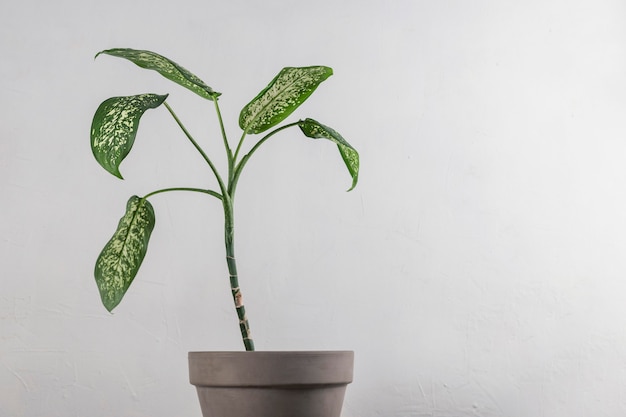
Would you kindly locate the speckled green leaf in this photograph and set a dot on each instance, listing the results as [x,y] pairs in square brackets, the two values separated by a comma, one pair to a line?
[120,259]
[166,67]
[290,88]
[316,130]
[114,128]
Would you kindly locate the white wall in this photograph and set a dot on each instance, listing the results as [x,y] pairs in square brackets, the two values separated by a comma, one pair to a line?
[477,270]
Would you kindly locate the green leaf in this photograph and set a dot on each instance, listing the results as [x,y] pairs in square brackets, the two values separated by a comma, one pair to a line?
[316,130]
[120,259]
[114,128]
[290,88]
[166,67]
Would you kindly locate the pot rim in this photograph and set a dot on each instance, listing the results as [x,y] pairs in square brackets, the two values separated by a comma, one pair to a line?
[270,368]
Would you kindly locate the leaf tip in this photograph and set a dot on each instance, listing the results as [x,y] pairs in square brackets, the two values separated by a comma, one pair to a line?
[109,303]
[354,182]
[111,169]
[104,51]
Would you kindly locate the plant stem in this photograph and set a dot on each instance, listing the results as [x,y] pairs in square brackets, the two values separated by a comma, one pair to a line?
[229,234]
[229,227]
[229,237]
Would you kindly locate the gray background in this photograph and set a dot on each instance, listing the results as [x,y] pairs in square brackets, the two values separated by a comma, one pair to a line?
[477,269]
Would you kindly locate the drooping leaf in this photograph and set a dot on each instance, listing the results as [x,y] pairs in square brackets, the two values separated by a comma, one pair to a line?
[121,257]
[114,128]
[290,88]
[316,130]
[166,67]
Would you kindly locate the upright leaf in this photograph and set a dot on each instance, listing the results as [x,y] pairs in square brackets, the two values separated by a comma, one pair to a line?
[290,88]
[114,128]
[316,130]
[166,67]
[120,259]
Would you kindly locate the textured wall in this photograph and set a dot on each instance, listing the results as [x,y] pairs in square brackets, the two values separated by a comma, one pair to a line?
[477,270]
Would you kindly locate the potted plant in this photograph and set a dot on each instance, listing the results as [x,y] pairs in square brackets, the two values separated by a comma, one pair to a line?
[227,382]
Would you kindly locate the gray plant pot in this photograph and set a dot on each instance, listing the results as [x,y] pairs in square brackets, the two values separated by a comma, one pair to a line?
[271,384]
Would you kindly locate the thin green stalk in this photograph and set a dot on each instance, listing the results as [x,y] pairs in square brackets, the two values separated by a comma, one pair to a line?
[243,136]
[229,152]
[198,148]
[197,190]
[239,167]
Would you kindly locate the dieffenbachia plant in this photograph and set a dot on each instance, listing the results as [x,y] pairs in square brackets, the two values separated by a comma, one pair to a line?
[113,133]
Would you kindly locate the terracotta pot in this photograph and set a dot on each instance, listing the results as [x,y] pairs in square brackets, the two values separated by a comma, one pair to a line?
[271,384]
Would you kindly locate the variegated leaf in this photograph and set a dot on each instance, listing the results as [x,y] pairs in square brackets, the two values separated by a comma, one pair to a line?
[290,88]
[166,67]
[120,259]
[316,130]
[114,128]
